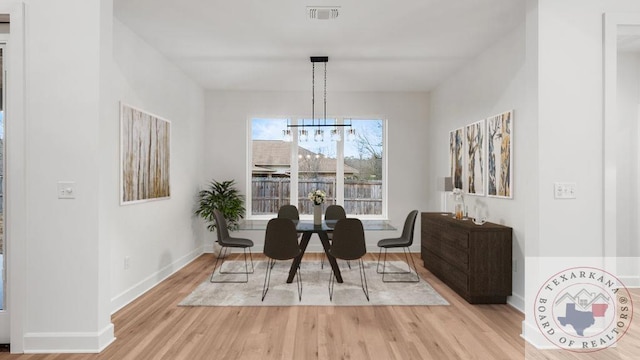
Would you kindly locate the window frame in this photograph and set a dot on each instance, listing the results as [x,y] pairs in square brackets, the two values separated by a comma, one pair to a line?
[339,166]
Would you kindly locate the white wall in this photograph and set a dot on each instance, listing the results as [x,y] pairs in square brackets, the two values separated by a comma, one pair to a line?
[69,261]
[227,116]
[160,236]
[570,140]
[492,83]
[62,304]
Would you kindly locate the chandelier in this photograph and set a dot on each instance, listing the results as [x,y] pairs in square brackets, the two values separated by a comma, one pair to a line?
[318,133]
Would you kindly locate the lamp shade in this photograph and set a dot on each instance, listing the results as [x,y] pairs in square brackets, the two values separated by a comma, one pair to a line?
[447,184]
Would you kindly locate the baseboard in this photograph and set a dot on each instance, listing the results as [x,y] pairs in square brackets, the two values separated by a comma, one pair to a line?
[532,335]
[76,342]
[208,249]
[517,302]
[127,296]
[632,281]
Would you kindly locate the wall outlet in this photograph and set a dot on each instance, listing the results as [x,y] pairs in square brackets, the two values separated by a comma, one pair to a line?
[127,262]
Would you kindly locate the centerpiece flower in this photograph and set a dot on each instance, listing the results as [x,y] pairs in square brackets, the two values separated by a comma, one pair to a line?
[317,196]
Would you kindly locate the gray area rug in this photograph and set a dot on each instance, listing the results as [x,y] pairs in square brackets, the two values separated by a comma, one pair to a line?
[315,291]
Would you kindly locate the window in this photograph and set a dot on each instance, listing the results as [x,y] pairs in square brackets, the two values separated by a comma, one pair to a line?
[350,170]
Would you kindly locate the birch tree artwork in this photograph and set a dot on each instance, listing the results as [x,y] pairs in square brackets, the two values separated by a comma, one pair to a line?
[499,131]
[145,146]
[455,157]
[475,158]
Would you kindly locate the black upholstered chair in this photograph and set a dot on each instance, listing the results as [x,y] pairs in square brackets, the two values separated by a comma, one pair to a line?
[333,212]
[280,243]
[226,242]
[404,241]
[349,244]
[289,212]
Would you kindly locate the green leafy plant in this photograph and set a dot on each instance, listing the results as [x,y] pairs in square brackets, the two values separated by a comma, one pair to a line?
[222,196]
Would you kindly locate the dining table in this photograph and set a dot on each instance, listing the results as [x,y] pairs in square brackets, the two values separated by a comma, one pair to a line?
[307,228]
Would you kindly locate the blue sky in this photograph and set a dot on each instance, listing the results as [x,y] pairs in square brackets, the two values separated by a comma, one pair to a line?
[271,129]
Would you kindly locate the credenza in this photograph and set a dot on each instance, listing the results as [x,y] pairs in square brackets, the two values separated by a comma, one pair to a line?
[473,260]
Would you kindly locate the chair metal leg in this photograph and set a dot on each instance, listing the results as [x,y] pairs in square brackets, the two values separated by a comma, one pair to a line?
[222,255]
[331,282]
[299,285]
[363,281]
[363,276]
[378,265]
[267,277]
[384,264]
[267,280]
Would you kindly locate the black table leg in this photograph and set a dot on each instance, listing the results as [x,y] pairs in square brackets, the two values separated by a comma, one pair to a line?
[296,261]
[332,260]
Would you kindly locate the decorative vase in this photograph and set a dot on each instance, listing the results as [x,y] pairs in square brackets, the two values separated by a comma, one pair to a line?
[458,208]
[317,214]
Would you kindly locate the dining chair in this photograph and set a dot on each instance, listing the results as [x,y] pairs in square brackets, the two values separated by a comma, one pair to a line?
[289,212]
[226,242]
[280,243]
[404,241]
[349,244]
[333,212]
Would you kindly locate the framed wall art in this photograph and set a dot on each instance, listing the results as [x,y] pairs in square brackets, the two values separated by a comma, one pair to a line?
[145,156]
[455,157]
[475,158]
[500,155]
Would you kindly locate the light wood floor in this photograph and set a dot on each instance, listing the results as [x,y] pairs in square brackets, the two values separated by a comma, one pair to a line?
[154,327]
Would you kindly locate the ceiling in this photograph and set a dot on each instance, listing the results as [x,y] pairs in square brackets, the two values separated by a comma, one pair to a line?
[375,45]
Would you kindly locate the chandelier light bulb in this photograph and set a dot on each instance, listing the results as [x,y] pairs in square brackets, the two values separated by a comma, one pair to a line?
[319,135]
[286,135]
[351,134]
[335,135]
[304,135]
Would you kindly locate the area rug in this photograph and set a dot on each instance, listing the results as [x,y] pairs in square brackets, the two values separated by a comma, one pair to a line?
[315,291]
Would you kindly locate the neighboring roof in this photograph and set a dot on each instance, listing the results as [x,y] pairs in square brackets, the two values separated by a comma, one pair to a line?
[259,170]
[275,153]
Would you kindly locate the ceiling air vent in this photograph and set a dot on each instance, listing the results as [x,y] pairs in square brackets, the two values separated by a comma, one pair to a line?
[323,12]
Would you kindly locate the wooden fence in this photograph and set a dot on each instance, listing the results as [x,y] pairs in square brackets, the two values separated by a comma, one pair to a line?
[360,197]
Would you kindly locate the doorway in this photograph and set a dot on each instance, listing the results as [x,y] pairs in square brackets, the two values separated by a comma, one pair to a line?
[621,150]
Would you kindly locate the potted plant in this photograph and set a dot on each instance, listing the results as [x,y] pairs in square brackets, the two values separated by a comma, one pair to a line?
[222,196]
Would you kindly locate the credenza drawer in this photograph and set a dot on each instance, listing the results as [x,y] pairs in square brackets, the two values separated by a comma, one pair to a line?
[456,257]
[459,239]
[437,233]
[452,276]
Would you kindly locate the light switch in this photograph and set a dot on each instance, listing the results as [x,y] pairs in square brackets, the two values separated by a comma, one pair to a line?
[66,190]
[564,190]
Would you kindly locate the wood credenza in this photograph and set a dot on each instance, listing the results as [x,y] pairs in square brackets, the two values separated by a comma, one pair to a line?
[474,260]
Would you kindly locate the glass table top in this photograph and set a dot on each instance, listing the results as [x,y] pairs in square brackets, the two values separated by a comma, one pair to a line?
[307,225]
